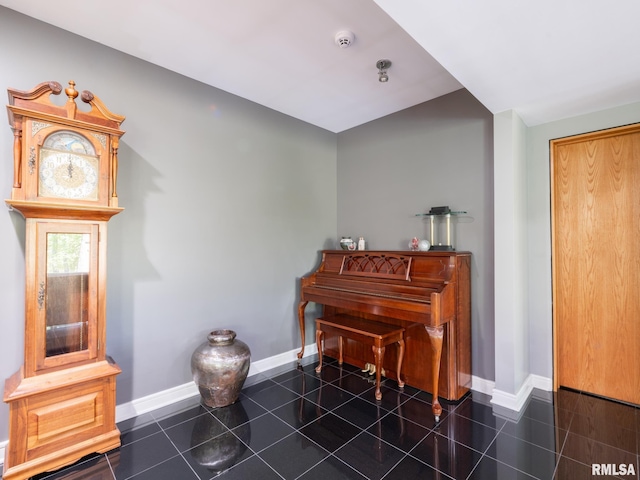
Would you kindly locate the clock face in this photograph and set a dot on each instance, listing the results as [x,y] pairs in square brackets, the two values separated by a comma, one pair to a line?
[69,167]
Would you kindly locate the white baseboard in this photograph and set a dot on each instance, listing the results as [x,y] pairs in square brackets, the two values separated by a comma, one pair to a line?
[481,385]
[175,394]
[514,403]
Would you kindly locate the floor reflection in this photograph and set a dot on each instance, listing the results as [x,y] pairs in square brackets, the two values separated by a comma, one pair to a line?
[224,450]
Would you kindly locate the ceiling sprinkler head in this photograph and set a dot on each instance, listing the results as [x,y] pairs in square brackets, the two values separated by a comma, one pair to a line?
[344,39]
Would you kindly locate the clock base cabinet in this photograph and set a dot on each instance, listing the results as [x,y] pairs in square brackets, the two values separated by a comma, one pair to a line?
[57,418]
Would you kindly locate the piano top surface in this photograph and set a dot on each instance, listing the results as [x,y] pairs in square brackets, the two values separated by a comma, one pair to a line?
[402,267]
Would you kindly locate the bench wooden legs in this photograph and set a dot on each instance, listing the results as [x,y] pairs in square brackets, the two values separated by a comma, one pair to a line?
[319,335]
[378,355]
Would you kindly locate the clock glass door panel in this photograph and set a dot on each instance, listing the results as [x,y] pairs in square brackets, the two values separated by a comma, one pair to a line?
[67,315]
[67,293]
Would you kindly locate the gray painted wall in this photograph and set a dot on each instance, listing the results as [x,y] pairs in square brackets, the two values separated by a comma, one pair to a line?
[437,153]
[226,204]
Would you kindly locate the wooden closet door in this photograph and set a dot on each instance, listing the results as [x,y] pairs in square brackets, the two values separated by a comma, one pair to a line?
[596,262]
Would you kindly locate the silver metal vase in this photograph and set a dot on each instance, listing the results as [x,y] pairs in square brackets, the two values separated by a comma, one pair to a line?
[219,367]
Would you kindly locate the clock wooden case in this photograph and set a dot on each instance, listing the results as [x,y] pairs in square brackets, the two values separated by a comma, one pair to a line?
[65,158]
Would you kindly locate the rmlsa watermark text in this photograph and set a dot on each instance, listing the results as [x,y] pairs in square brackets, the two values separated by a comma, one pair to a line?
[613,469]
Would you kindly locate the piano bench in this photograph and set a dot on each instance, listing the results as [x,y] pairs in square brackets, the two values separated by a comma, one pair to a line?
[368,332]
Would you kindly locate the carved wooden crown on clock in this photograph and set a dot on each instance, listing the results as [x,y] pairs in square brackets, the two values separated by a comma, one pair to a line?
[65,159]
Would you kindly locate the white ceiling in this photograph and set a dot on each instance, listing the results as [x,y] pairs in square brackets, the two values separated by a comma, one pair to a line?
[546,59]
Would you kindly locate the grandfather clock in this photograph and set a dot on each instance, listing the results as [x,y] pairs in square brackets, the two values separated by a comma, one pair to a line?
[62,400]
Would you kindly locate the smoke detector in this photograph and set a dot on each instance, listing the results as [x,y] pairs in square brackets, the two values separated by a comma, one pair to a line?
[344,39]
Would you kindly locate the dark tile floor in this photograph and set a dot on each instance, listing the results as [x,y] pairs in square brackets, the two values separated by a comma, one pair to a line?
[292,423]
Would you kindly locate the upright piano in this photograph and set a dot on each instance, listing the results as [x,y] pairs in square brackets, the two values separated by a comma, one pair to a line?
[427,293]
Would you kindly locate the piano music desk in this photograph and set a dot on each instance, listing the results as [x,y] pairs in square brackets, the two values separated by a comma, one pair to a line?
[376,334]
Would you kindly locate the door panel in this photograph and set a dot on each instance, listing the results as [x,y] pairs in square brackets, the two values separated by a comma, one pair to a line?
[596,262]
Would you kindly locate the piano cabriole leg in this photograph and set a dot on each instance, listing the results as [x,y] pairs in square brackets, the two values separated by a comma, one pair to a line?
[400,357]
[319,334]
[378,355]
[301,307]
[435,336]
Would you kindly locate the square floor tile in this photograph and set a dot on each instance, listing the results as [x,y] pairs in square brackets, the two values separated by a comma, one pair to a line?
[171,469]
[463,430]
[273,397]
[399,432]
[288,375]
[332,468]
[600,428]
[570,469]
[256,387]
[300,412]
[355,384]
[370,455]
[330,431]
[293,456]
[302,384]
[566,399]
[419,412]
[330,373]
[138,427]
[329,396]
[489,469]
[136,457]
[588,451]
[391,397]
[253,468]
[263,431]
[524,456]
[89,468]
[195,431]
[410,468]
[180,411]
[210,458]
[479,412]
[614,413]
[360,412]
[446,455]
[541,411]
[243,410]
[428,398]
[542,434]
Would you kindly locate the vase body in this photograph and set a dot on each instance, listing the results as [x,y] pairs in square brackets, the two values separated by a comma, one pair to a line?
[219,367]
